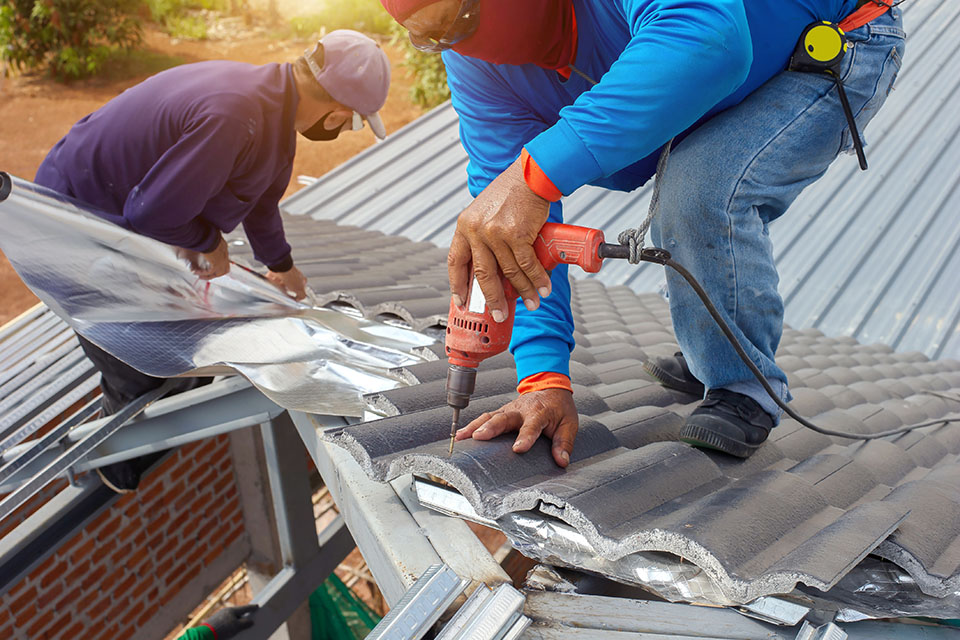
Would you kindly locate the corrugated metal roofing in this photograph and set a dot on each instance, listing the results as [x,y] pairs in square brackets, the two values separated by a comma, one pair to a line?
[805,507]
[872,255]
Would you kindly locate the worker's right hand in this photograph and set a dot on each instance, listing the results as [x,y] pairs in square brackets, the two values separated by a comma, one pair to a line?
[210,265]
[550,412]
[291,282]
[496,234]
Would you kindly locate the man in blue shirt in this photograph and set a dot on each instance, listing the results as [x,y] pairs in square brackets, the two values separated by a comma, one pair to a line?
[555,94]
[196,150]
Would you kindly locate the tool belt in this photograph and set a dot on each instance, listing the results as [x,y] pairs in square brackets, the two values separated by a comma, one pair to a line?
[821,48]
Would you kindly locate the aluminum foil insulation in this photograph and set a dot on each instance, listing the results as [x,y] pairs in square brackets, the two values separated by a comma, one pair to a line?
[874,589]
[663,574]
[133,297]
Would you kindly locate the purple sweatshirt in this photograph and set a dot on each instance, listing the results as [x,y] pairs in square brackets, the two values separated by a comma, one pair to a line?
[187,154]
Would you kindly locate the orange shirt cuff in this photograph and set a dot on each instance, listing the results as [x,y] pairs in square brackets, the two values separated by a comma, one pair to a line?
[537,180]
[544,380]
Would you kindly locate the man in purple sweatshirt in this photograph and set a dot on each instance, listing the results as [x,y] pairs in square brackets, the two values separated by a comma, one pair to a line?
[195,151]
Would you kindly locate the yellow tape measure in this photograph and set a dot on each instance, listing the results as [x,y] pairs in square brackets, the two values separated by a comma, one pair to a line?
[821,47]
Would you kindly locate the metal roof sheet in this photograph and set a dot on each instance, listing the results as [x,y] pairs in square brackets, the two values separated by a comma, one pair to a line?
[872,255]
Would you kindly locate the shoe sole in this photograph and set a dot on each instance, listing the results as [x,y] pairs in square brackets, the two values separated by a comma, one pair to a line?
[672,382]
[707,439]
[112,486]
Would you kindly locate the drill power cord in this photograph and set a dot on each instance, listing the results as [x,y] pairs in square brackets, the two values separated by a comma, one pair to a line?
[662,257]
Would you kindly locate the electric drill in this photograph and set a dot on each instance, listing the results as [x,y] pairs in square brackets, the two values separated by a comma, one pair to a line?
[472,334]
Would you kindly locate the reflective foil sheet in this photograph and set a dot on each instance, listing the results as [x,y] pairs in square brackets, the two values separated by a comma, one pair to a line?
[559,544]
[134,298]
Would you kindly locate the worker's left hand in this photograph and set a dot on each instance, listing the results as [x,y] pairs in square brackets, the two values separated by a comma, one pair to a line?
[228,622]
[550,412]
[291,282]
[498,229]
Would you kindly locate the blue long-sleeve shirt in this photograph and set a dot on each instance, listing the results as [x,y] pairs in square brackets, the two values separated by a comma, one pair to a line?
[663,67]
[187,154]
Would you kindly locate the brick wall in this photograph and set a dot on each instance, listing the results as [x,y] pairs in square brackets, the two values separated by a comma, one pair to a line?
[144,563]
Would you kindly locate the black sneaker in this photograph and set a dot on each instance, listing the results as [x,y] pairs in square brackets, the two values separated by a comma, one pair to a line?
[122,477]
[729,422]
[673,373]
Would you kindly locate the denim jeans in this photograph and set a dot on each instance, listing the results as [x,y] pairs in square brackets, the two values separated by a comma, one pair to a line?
[727,181]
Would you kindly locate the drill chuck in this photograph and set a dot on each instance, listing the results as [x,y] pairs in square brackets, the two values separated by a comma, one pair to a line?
[461,382]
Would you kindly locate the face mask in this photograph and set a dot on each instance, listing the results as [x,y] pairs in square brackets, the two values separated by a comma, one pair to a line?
[319,133]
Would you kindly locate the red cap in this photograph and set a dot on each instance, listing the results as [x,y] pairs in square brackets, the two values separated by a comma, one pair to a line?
[403,9]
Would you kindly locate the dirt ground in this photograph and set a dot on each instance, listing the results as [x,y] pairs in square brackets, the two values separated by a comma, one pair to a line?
[35,112]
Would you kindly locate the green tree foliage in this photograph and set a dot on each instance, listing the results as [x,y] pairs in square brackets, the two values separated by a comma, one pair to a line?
[72,38]
[430,76]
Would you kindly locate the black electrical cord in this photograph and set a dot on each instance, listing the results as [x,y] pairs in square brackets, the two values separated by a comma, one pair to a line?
[662,257]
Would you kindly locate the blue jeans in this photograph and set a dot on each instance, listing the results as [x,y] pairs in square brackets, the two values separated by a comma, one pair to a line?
[727,181]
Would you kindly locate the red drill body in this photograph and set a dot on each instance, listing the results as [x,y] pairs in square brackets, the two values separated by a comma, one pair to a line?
[472,334]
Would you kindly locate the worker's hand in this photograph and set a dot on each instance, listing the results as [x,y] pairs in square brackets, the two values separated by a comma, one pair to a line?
[291,282]
[218,261]
[499,228]
[550,412]
[208,265]
[228,622]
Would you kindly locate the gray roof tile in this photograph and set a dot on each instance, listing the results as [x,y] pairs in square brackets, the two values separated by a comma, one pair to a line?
[807,507]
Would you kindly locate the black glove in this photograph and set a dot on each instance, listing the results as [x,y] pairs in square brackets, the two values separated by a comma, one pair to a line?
[229,622]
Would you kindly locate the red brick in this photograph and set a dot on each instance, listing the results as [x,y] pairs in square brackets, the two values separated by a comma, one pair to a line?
[204,454]
[148,614]
[107,582]
[184,580]
[118,608]
[138,556]
[48,595]
[153,542]
[226,542]
[78,573]
[158,521]
[4,615]
[177,525]
[168,548]
[141,588]
[92,578]
[225,465]
[164,567]
[43,566]
[203,474]
[196,556]
[68,599]
[151,492]
[121,555]
[28,598]
[110,528]
[76,631]
[183,500]
[174,492]
[43,621]
[182,469]
[86,603]
[174,574]
[140,538]
[124,588]
[133,509]
[25,616]
[54,575]
[214,554]
[222,483]
[83,551]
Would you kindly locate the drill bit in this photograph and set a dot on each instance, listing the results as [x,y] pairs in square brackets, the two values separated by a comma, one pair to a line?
[454,424]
